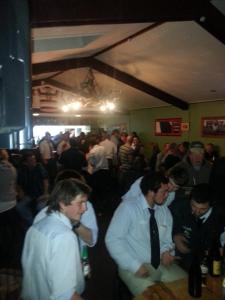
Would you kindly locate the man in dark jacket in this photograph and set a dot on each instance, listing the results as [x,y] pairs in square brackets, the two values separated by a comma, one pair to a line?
[73,158]
[195,224]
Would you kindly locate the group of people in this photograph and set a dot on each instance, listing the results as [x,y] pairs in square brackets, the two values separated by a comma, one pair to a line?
[165,215]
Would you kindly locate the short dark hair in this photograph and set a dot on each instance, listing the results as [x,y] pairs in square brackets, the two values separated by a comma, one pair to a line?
[69,173]
[179,175]
[65,191]
[202,193]
[152,182]
[73,142]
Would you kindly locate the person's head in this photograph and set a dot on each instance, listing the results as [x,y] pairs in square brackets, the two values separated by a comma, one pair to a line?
[4,154]
[73,143]
[172,149]
[69,196]
[209,148]
[166,147]
[135,141]
[155,188]
[196,154]
[200,199]
[129,139]
[47,135]
[66,136]
[183,148]
[29,159]
[104,135]
[116,132]
[123,137]
[178,176]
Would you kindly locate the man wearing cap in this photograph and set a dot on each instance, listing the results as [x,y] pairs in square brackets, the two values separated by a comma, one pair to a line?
[197,167]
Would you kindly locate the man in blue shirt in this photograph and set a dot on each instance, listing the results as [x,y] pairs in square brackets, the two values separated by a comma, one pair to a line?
[129,240]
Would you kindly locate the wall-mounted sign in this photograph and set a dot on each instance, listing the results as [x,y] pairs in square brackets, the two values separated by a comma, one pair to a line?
[213,126]
[184,126]
[169,126]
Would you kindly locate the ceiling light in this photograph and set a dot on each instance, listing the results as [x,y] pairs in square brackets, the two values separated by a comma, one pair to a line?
[103,107]
[76,105]
[65,108]
[36,114]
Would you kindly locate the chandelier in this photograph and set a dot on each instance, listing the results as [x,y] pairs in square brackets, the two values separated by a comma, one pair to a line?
[48,98]
[90,95]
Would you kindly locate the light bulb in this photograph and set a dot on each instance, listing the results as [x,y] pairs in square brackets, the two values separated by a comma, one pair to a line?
[65,108]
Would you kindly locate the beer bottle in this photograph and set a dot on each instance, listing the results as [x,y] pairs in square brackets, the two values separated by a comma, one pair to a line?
[85,263]
[204,269]
[223,272]
[215,259]
[195,278]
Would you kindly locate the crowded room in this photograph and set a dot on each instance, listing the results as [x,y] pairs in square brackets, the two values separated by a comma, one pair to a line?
[112,150]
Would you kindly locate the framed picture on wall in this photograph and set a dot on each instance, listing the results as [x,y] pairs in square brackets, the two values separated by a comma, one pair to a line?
[168,127]
[213,126]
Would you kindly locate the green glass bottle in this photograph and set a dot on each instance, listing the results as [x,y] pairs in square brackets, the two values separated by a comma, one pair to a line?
[85,263]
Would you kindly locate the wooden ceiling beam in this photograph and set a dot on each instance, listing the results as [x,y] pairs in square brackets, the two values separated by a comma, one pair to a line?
[130,37]
[110,71]
[89,12]
[212,20]
[138,84]
[60,65]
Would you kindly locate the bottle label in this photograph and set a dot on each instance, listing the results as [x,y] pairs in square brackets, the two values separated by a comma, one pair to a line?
[204,269]
[223,283]
[86,270]
[216,267]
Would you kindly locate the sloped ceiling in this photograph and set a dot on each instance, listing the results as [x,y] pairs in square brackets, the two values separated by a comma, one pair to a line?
[158,55]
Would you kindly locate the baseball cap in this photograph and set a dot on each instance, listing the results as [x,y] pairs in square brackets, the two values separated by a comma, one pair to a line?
[197,147]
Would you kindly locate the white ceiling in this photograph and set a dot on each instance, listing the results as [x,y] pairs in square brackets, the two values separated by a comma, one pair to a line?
[179,58]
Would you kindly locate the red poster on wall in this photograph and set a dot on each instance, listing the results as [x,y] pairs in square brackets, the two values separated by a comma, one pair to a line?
[168,127]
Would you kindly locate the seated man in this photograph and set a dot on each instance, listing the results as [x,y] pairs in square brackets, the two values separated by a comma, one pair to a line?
[51,259]
[139,237]
[177,176]
[196,223]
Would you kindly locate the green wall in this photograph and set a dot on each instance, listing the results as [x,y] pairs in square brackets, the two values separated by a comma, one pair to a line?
[143,122]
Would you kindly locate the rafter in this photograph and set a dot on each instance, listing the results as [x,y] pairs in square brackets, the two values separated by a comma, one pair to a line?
[88,12]
[212,20]
[114,73]
[60,65]
[138,84]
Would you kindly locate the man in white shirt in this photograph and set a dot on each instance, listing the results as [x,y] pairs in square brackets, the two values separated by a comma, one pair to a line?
[110,149]
[51,259]
[129,238]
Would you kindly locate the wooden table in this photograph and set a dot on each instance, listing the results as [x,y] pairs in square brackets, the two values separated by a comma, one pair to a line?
[178,290]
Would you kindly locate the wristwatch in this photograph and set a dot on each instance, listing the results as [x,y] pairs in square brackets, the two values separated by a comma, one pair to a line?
[76,225]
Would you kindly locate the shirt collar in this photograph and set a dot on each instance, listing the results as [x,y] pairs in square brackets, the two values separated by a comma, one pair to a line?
[60,216]
[206,215]
[145,205]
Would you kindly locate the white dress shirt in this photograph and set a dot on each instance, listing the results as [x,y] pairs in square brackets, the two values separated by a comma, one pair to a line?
[88,219]
[97,158]
[51,260]
[128,235]
[110,148]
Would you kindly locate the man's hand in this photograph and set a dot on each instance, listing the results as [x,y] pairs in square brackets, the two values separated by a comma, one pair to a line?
[142,272]
[167,259]
[181,243]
